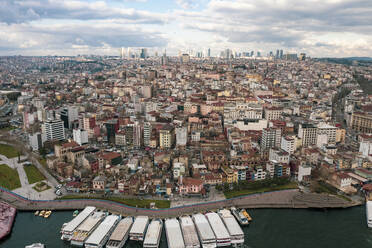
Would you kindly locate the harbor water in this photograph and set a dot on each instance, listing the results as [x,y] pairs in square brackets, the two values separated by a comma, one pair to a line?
[277,228]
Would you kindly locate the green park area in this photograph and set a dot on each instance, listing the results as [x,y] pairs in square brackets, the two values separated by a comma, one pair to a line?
[9,177]
[8,151]
[247,188]
[140,203]
[33,174]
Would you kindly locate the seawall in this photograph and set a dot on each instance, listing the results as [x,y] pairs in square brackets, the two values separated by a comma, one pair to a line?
[278,199]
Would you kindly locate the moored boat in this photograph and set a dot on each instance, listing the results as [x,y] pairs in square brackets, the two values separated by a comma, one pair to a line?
[68,229]
[222,235]
[205,232]
[36,213]
[239,217]
[86,228]
[369,213]
[47,214]
[245,213]
[153,234]
[232,226]
[35,245]
[139,227]
[42,212]
[101,234]
[190,236]
[174,233]
[120,234]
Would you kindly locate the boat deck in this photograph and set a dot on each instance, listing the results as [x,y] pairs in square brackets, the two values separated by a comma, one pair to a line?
[7,215]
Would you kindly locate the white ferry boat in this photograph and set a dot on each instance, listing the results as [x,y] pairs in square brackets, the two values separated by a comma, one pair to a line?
[205,232]
[190,236]
[369,213]
[153,234]
[68,228]
[219,229]
[232,226]
[101,234]
[138,230]
[174,233]
[86,228]
[121,233]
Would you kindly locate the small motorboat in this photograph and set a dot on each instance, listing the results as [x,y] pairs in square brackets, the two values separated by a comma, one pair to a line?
[76,212]
[42,212]
[47,214]
[36,213]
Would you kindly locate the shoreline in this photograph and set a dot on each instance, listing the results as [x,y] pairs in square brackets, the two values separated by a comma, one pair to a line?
[286,199]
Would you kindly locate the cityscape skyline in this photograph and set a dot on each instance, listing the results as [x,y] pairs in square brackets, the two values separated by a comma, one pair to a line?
[336,28]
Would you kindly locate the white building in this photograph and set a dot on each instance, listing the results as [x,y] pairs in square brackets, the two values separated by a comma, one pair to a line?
[54,130]
[288,144]
[195,136]
[321,140]
[365,147]
[273,113]
[250,125]
[260,174]
[178,170]
[303,170]
[80,136]
[308,134]
[73,115]
[181,136]
[330,131]
[147,128]
[36,141]
[279,155]
[271,137]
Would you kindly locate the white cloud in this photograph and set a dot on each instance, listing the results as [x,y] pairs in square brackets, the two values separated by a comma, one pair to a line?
[318,27]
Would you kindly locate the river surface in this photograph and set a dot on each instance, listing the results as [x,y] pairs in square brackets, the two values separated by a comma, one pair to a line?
[275,228]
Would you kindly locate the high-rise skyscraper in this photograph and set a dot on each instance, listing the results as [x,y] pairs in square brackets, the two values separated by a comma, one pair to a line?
[54,130]
[209,52]
[281,54]
[143,53]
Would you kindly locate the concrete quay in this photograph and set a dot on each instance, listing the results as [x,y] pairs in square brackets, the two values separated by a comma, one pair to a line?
[276,199]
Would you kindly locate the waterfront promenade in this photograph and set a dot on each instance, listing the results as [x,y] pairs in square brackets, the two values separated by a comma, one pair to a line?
[279,199]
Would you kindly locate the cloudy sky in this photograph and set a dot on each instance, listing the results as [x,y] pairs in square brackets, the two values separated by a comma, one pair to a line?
[321,28]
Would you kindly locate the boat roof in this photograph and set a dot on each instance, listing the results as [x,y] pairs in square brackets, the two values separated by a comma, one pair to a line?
[190,235]
[139,224]
[90,222]
[174,234]
[122,229]
[75,222]
[202,224]
[101,231]
[217,225]
[369,209]
[230,222]
[153,232]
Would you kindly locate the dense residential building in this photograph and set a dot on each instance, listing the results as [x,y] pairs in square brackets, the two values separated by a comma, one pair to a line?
[169,125]
[271,137]
[166,137]
[361,122]
[308,134]
[80,136]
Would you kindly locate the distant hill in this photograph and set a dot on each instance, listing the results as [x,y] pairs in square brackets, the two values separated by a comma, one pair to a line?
[347,60]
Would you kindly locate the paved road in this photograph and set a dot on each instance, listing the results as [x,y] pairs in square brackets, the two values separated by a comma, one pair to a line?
[278,199]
